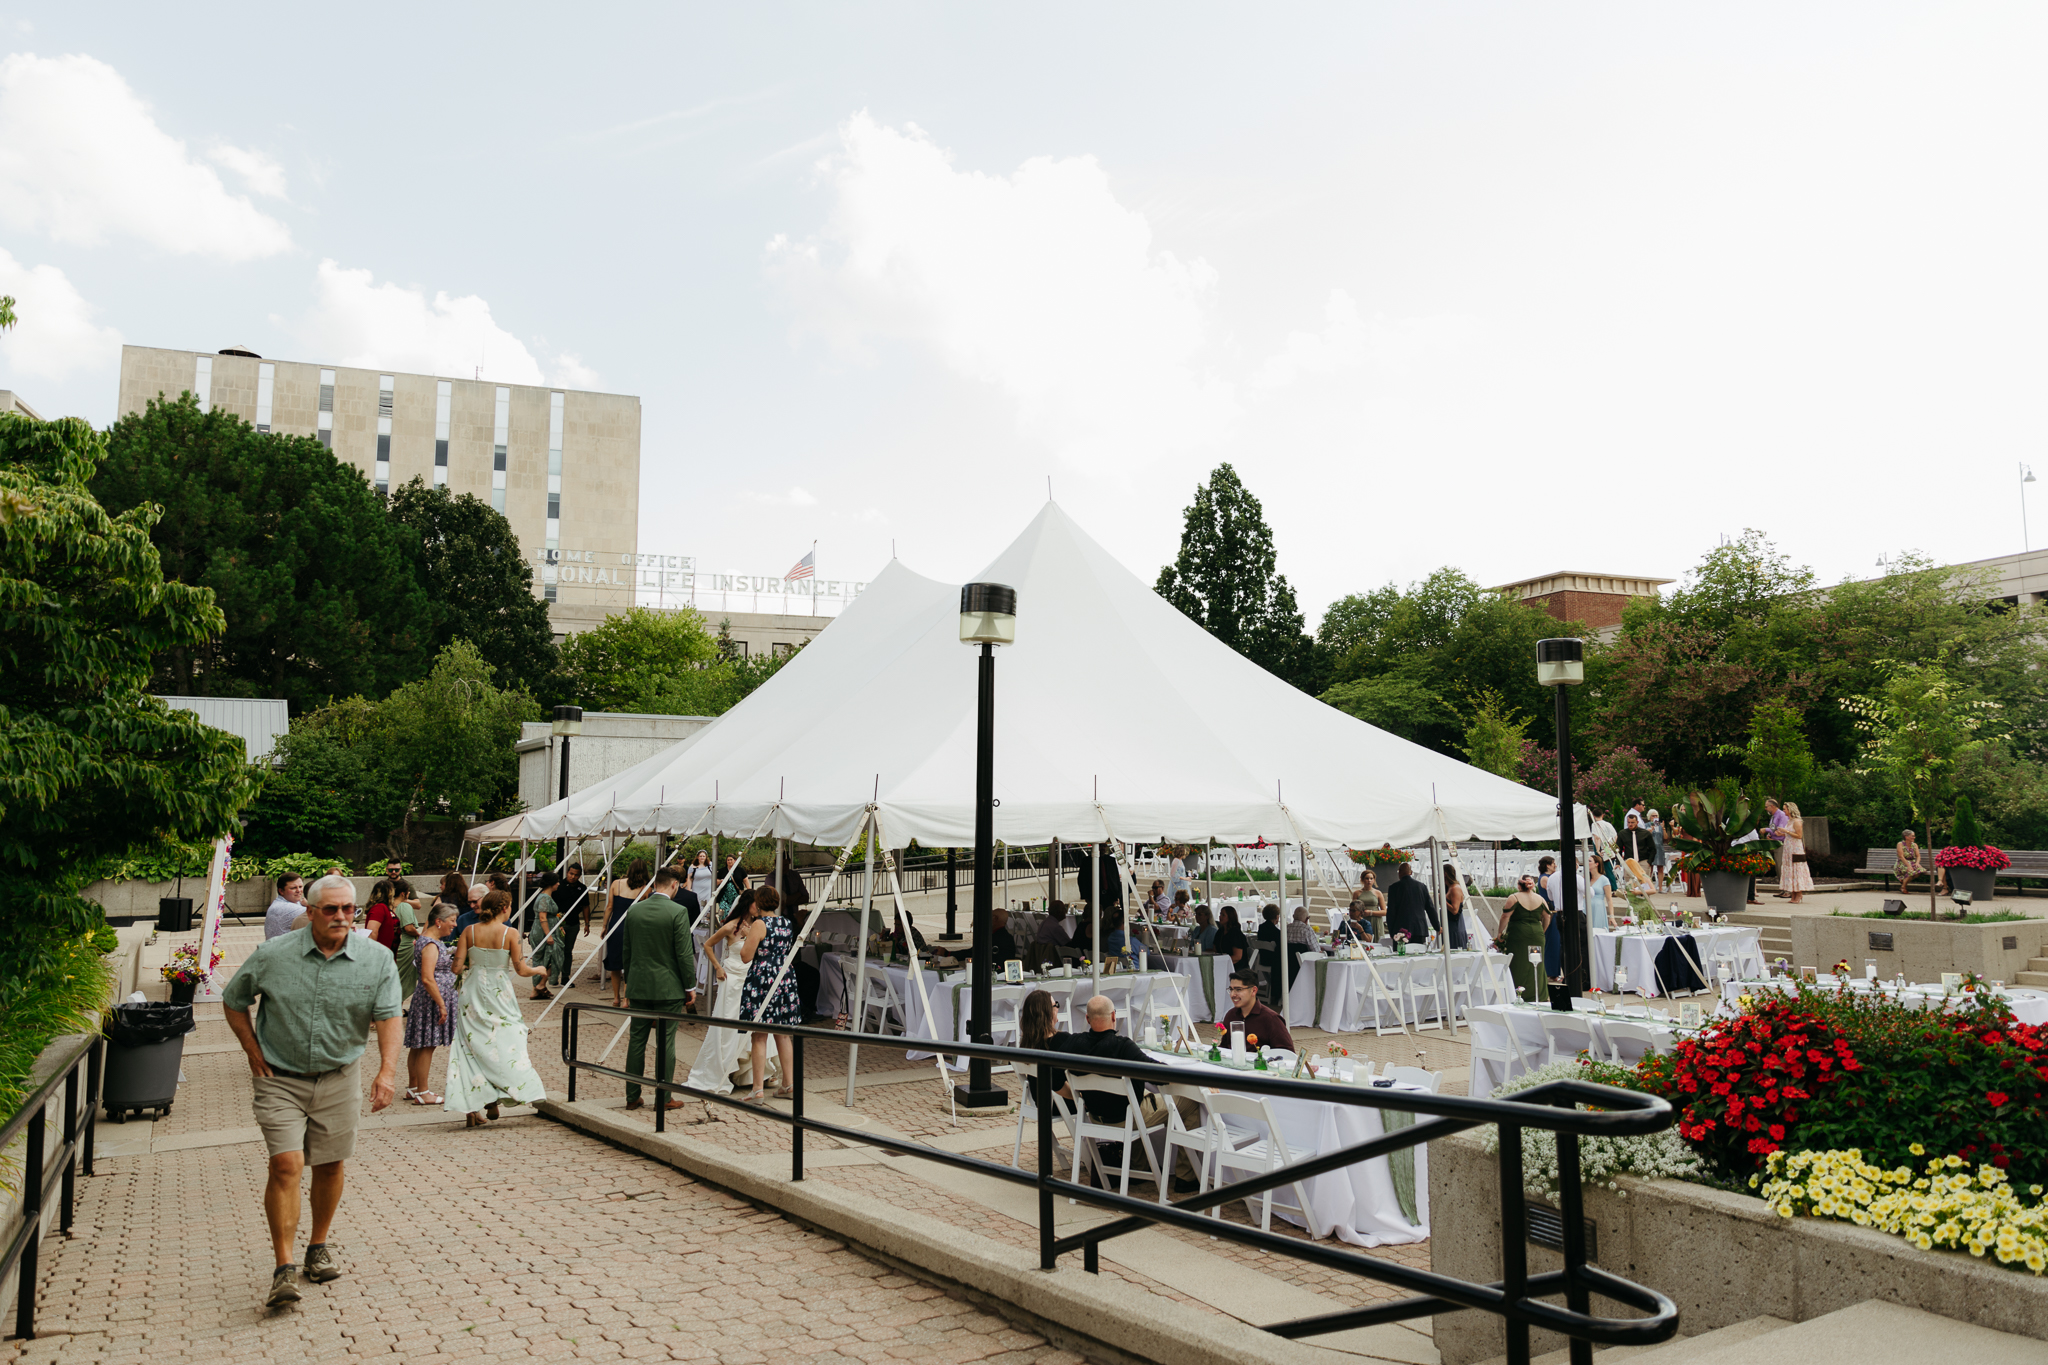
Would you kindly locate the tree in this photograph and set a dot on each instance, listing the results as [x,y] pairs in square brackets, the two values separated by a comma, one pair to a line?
[314,579]
[1226,580]
[1494,738]
[90,763]
[482,588]
[637,661]
[7,317]
[1667,689]
[1777,756]
[1400,706]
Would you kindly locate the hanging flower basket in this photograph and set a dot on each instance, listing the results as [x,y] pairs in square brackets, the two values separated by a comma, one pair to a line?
[1381,857]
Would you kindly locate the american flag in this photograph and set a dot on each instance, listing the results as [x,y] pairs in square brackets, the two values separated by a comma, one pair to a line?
[805,567]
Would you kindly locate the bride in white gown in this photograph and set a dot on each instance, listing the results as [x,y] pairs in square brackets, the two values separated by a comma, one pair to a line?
[723,1047]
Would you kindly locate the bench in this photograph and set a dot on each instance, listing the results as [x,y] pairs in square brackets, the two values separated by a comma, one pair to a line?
[2026,863]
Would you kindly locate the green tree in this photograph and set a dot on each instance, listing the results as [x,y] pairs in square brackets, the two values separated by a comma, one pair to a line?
[1495,734]
[1777,756]
[7,317]
[1226,580]
[90,763]
[482,588]
[315,580]
[637,661]
[1400,706]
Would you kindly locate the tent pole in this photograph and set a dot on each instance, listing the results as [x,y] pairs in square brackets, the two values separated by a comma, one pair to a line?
[1052,873]
[860,975]
[522,888]
[1209,876]
[1280,957]
[1450,1019]
[1095,914]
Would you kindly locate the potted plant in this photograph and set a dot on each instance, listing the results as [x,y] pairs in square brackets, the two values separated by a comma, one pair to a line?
[1706,825]
[1383,856]
[1971,864]
[184,973]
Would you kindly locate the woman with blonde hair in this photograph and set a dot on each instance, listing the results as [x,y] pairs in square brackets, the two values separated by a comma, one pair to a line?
[1794,877]
[487,1065]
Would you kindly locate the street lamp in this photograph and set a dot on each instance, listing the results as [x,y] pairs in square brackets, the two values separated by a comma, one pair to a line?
[988,617]
[1561,664]
[568,722]
[2026,477]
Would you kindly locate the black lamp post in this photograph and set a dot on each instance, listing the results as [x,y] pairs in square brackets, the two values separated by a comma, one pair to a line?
[1561,664]
[988,617]
[568,723]
[952,933]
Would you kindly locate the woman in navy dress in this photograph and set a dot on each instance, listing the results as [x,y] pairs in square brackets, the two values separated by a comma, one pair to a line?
[768,943]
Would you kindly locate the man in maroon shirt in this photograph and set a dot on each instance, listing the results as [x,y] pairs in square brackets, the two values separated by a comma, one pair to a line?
[1260,1021]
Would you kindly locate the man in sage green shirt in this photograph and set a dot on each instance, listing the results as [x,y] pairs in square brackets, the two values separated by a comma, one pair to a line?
[659,957]
[323,988]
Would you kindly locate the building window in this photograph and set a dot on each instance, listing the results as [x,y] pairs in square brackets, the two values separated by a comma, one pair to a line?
[444,399]
[501,436]
[385,384]
[554,528]
[202,383]
[325,423]
[783,649]
[266,389]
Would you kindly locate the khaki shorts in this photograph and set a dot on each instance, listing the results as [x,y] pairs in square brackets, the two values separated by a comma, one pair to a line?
[314,1117]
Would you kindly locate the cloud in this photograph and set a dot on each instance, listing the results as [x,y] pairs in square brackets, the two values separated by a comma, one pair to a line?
[1038,283]
[359,322]
[82,160]
[55,335]
[795,497]
[259,172]
[1350,343]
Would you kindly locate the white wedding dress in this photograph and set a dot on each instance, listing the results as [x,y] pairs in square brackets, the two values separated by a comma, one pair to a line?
[723,1046]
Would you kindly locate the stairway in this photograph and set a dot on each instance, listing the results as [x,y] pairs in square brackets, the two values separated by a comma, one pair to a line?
[2036,973]
[1776,938]
[1873,1332]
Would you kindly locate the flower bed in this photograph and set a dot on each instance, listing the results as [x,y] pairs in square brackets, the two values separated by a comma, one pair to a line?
[1949,1206]
[1976,857]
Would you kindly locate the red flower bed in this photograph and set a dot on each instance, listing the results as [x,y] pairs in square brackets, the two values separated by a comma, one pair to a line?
[1742,1085]
[1981,857]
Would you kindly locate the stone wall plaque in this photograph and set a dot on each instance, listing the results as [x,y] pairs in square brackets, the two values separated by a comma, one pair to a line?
[2012,942]
[1880,943]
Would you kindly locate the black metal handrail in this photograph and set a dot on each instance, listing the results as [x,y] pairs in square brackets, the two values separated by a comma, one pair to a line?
[24,1246]
[1516,1297]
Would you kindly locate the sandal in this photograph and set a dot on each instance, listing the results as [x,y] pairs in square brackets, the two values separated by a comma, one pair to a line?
[754,1097]
[543,995]
[491,1111]
[785,1093]
[475,1121]
[426,1097]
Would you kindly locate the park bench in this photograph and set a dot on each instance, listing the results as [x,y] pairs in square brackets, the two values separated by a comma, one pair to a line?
[2026,863]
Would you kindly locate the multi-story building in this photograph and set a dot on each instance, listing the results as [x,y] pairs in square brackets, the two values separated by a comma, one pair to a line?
[1595,599]
[563,465]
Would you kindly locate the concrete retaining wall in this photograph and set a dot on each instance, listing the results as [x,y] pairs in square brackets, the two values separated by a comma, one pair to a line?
[1723,1258]
[1921,948]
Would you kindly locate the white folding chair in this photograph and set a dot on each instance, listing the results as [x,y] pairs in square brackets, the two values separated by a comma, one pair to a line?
[1265,1150]
[1629,1043]
[1027,1113]
[1163,1002]
[1378,992]
[878,995]
[1464,985]
[1202,1143]
[1005,1014]
[1416,1076]
[1132,1132]
[1568,1035]
[1494,1041]
[1062,993]
[1424,983]
[1500,982]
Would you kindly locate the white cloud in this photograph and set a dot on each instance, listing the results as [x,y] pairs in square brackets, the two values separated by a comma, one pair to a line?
[1351,343]
[1039,283]
[83,160]
[391,326]
[55,335]
[259,171]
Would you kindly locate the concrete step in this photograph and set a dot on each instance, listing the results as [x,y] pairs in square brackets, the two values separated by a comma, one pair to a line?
[1870,1333]
[2037,964]
[2030,978]
[1677,1352]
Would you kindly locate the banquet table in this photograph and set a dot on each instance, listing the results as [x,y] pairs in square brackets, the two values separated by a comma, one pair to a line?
[949,1005]
[2029,1004]
[1531,1042]
[1382,1202]
[1333,997]
[1638,949]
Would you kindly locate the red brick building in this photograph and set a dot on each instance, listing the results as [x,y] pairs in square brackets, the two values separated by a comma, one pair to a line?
[1594,598]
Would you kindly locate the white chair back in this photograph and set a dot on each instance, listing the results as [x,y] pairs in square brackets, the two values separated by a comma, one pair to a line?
[1629,1042]
[1005,1011]
[1415,1075]
[1569,1035]
[1265,1151]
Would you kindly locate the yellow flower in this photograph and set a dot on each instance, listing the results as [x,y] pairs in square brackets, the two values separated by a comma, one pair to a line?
[1917,1150]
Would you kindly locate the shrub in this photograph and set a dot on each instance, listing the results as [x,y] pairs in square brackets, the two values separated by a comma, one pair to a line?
[1966,832]
[1651,1156]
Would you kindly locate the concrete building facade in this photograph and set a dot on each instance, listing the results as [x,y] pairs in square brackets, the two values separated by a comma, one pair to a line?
[563,465]
[1573,595]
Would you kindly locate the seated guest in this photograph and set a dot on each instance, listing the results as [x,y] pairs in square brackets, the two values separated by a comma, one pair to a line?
[896,936]
[1355,927]
[1159,900]
[1113,939]
[1054,927]
[1203,938]
[1038,1028]
[1260,1021]
[1102,1040]
[1230,940]
[1002,945]
[1299,933]
[1270,938]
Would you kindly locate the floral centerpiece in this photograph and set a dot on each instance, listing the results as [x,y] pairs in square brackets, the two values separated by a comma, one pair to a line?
[1384,856]
[184,972]
[1400,943]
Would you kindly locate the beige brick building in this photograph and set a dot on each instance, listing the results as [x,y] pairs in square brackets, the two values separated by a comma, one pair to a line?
[1596,599]
[563,465]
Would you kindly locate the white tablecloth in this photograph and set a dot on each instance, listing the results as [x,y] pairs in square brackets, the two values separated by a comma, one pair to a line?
[1344,1007]
[1532,1042]
[2029,1005]
[1190,967]
[1358,1203]
[1639,955]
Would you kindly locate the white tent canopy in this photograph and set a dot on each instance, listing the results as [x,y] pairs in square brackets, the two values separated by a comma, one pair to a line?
[1116,717]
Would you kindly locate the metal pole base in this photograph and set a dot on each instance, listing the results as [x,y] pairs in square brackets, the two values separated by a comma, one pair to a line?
[967,1097]
[951,938]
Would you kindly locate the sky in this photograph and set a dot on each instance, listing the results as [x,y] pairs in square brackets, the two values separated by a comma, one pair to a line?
[1512,288]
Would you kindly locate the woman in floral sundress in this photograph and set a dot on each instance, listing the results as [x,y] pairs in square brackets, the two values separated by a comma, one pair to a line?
[488,1064]
[767,945]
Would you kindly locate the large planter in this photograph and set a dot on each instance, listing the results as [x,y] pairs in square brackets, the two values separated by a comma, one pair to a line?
[1916,947]
[1980,882]
[1727,892]
[1723,1257]
[183,991]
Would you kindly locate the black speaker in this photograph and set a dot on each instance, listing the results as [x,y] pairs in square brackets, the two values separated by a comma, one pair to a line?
[174,915]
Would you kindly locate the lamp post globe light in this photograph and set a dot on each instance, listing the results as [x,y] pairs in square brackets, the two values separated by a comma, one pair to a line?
[1561,664]
[988,617]
[568,723]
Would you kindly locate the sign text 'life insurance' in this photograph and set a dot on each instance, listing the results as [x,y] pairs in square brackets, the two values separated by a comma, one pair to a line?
[678,573]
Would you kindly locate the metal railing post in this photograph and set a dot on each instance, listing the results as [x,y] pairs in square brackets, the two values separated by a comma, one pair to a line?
[796,1109]
[70,1189]
[32,1213]
[1514,1245]
[661,1028]
[569,1047]
[94,1061]
[1041,1086]
[1576,1296]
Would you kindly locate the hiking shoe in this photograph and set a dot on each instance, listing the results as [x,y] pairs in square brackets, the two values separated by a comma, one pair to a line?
[284,1287]
[321,1265]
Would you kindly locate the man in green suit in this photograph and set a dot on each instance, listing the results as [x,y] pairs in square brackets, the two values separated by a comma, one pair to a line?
[660,959]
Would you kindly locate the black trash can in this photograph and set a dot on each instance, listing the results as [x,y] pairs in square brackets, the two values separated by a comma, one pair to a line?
[174,915]
[145,1047]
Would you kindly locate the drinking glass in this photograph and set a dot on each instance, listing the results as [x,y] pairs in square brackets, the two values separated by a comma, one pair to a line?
[1870,969]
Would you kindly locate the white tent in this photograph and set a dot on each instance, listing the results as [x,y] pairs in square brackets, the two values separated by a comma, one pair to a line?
[1116,717]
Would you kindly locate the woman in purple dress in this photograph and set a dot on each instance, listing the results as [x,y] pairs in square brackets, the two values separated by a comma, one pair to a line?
[430,1022]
